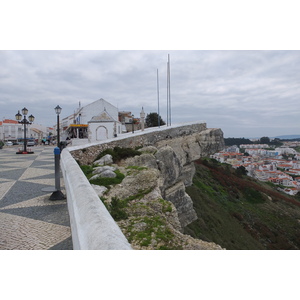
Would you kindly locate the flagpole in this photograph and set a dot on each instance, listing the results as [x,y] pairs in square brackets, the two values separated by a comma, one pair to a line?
[167,93]
[169,85]
[158,119]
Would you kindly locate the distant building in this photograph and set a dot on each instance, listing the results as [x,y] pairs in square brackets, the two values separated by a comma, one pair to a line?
[127,118]
[254,146]
[12,130]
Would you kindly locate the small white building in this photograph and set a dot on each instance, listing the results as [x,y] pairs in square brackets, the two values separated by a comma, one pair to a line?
[94,122]
[103,126]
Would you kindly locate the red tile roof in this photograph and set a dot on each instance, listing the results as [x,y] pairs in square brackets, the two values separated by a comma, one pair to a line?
[7,121]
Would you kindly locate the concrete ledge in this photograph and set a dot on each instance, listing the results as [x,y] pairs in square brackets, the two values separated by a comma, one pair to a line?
[92,226]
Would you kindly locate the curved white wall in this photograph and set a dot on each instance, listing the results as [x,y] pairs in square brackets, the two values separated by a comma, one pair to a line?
[92,226]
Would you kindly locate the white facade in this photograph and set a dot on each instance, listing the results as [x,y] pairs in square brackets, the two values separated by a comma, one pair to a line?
[103,127]
[11,130]
[94,122]
[86,113]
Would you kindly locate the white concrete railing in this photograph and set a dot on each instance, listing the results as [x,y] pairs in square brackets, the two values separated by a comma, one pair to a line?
[92,226]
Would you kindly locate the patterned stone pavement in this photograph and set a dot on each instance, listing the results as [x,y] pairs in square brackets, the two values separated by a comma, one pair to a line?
[28,219]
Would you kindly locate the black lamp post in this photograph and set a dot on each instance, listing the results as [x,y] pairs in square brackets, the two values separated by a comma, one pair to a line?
[24,122]
[58,111]
[132,124]
[57,194]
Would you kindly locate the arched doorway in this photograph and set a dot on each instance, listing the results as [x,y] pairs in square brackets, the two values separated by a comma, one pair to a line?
[101,133]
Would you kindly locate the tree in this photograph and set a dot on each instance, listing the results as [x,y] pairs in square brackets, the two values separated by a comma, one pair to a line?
[152,120]
[241,171]
[265,140]
[236,141]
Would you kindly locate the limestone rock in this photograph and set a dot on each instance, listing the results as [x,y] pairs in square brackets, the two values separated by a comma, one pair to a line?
[100,190]
[104,174]
[144,180]
[108,174]
[99,170]
[148,149]
[183,203]
[105,160]
[143,160]
[169,166]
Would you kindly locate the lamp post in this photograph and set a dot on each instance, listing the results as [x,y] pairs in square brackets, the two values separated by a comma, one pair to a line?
[132,124]
[57,194]
[24,122]
[58,111]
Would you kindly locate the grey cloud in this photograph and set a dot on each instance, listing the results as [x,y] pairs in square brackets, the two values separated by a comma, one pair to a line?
[238,91]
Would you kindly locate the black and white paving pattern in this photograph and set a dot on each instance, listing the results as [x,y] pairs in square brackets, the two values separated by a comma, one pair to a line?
[28,219]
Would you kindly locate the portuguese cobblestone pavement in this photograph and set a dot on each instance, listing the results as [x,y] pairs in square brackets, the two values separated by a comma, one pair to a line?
[28,219]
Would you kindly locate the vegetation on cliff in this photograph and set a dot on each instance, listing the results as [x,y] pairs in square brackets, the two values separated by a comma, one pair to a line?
[133,198]
[238,212]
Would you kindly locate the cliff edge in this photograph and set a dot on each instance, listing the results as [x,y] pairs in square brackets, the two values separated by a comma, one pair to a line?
[151,205]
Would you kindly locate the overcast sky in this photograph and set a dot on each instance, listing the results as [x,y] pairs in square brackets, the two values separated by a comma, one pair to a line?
[245,93]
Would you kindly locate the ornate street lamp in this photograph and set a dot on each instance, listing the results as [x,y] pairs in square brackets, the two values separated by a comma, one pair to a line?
[58,111]
[24,122]
[57,194]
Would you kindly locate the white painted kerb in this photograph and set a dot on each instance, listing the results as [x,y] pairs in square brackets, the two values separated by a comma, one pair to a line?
[92,226]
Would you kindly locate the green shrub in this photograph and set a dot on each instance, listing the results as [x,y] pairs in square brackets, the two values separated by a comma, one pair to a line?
[116,209]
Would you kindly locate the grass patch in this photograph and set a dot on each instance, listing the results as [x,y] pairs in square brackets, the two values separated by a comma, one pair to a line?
[87,170]
[155,228]
[103,181]
[238,212]
[118,206]
[166,205]
[139,195]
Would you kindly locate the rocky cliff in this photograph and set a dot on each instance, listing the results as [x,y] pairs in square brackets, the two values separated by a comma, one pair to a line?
[156,180]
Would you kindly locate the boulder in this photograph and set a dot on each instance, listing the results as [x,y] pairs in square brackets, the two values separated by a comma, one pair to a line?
[143,160]
[108,174]
[148,149]
[99,170]
[183,203]
[104,174]
[100,190]
[105,160]
[169,166]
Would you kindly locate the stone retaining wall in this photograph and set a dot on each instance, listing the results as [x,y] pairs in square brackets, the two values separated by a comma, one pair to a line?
[86,154]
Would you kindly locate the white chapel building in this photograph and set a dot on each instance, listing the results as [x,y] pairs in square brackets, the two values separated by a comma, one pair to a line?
[94,122]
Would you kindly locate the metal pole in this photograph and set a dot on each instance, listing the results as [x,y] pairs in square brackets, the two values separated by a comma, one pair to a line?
[169,89]
[57,194]
[167,94]
[25,141]
[58,137]
[57,168]
[158,119]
